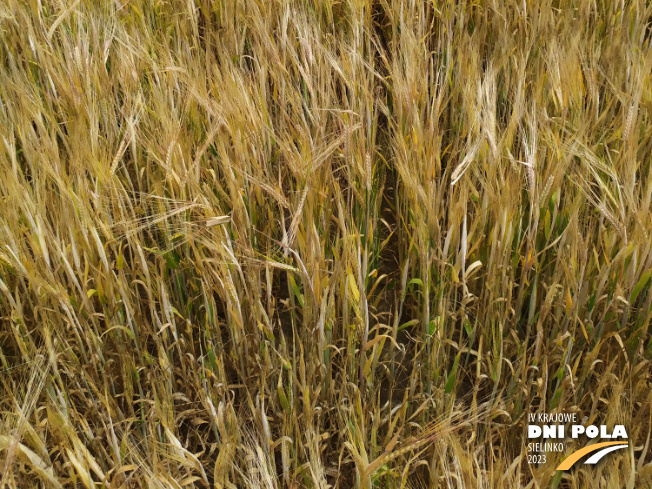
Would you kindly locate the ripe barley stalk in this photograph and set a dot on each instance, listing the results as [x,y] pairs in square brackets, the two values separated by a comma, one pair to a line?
[313,244]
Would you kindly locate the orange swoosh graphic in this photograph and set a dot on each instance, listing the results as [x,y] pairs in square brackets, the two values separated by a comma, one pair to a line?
[575,456]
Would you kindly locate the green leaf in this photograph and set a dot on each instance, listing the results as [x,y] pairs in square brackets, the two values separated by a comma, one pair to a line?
[296,290]
[172,259]
[431,327]
[467,327]
[211,360]
[152,250]
[546,224]
[645,278]
[415,281]
[282,397]
[450,380]
[560,374]
[411,322]
[555,399]
[592,302]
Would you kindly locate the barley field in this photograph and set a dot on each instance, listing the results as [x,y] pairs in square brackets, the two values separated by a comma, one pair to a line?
[322,243]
